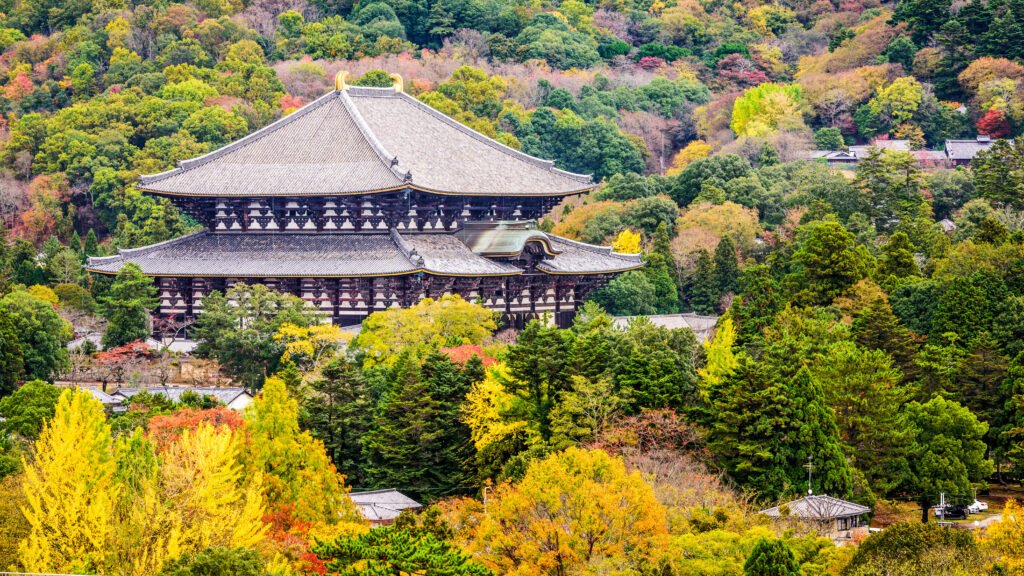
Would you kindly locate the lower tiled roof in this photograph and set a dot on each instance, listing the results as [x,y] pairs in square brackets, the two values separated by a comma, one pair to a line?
[297,255]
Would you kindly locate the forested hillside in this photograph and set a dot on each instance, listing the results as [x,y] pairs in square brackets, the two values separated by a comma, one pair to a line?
[869,345]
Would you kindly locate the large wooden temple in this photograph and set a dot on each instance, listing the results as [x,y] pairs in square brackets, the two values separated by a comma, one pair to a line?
[366,199]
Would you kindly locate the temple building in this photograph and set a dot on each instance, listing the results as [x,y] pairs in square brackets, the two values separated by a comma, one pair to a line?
[366,199]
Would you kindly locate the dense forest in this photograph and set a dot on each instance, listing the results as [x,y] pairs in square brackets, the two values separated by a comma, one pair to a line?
[870,335]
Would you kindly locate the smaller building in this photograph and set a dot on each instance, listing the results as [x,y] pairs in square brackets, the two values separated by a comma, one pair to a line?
[381,507]
[703,327]
[962,152]
[233,398]
[838,519]
[110,403]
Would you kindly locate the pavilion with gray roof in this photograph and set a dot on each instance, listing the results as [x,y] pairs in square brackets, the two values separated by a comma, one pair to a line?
[365,199]
[841,520]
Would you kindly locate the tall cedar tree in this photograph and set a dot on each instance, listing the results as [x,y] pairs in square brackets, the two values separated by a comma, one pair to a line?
[827,261]
[339,413]
[763,427]
[877,328]
[409,446]
[92,244]
[540,369]
[727,269]
[761,299]
[127,306]
[1012,429]
[661,270]
[704,294]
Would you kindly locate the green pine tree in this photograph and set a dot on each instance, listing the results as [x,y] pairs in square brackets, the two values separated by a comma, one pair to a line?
[76,242]
[727,270]
[410,445]
[92,244]
[897,258]
[339,412]
[402,548]
[771,557]
[760,300]
[127,306]
[704,295]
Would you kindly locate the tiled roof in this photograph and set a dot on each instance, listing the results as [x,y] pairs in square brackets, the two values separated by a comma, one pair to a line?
[363,140]
[818,508]
[173,393]
[268,255]
[103,397]
[503,239]
[967,149]
[702,326]
[383,505]
[579,258]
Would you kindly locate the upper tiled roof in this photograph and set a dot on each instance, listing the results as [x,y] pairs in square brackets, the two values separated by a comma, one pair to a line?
[818,508]
[364,140]
[297,255]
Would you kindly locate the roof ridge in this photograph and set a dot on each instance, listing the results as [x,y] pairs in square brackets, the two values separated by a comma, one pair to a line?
[604,250]
[281,122]
[539,162]
[125,252]
[389,160]
[408,251]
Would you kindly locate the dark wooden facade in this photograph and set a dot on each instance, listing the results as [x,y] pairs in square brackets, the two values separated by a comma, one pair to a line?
[408,209]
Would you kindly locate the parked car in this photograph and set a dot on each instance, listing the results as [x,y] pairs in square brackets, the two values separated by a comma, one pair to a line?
[952,512]
[976,507]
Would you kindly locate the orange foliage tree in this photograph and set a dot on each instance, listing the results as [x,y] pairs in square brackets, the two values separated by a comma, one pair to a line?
[164,429]
[50,212]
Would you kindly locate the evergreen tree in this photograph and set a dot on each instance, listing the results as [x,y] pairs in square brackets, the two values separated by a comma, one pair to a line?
[827,261]
[655,366]
[946,451]
[127,306]
[396,550]
[29,408]
[540,366]
[92,244]
[897,258]
[771,557]
[629,294]
[406,447]
[76,242]
[42,334]
[727,272]
[339,412]
[877,328]
[704,296]
[763,428]
[760,300]
[12,361]
[217,560]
